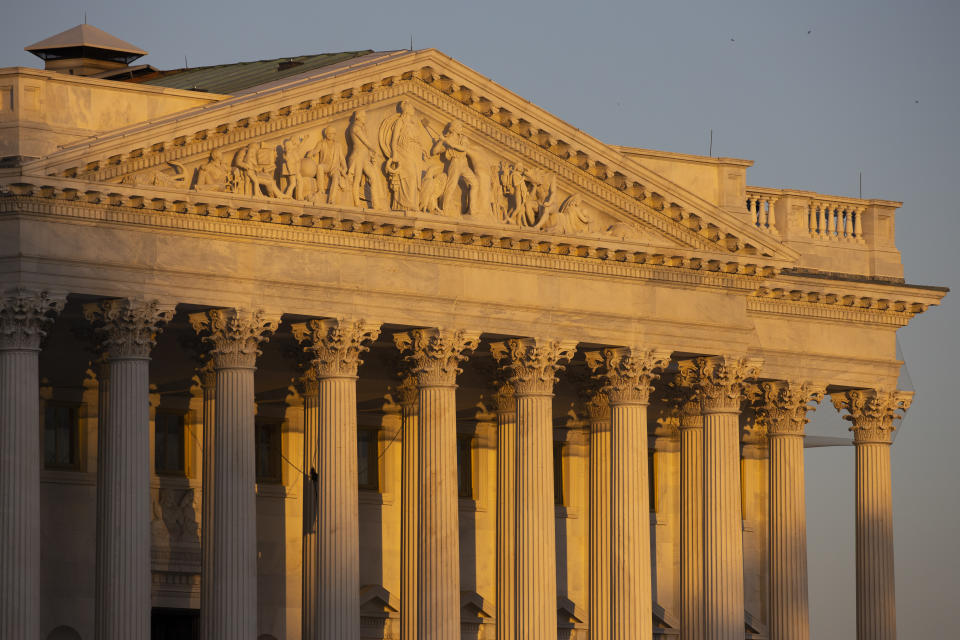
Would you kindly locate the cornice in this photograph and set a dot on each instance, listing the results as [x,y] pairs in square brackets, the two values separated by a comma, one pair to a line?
[594,167]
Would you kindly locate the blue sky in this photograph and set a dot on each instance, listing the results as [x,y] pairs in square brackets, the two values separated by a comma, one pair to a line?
[814,92]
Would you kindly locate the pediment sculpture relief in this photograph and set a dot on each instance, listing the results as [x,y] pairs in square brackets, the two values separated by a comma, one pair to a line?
[406,163]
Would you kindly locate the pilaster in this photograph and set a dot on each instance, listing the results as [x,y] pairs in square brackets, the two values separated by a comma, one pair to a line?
[530,367]
[128,328]
[598,413]
[25,317]
[408,397]
[626,374]
[434,356]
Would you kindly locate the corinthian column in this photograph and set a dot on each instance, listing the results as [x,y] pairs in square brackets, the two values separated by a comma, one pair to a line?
[434,356]
[208,381]
[782,407]
[310,390]
[235,336]
[720,385]
[506,510]
[626,374]
[872,413]
[409,507]
[24,318]
[128,330]
[335,346]
[531,366]
[598,410]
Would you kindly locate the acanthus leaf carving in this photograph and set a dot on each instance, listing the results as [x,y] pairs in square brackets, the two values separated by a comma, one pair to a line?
[336,344]
[627,373]
[434,355]
[720,380]
[25,317]
[128,327]
[234,334]
[781,406]
[872,412]
[531,364]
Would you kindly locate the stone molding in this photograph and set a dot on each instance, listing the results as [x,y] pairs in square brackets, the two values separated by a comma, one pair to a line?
[531,364]
[128,327]
[234,335]
[435,354]
[25,317]
[626,373]
[336,344]
[872,412]
[782,406]
[719,380]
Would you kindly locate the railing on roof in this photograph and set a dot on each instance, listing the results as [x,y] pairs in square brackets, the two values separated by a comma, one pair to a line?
[829,218]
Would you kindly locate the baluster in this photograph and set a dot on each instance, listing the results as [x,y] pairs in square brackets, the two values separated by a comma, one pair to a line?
[846,213]
[752,208]
[822,221]
[812,220]
[858,225]
[771,216]
[831,223]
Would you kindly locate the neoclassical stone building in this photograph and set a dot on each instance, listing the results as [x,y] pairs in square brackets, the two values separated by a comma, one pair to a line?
[364,345]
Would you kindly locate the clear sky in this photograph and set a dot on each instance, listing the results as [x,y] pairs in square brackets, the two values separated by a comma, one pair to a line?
[814,92]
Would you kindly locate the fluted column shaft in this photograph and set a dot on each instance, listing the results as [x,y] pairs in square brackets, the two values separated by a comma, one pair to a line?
[410,510]
[631,600]
[876,598]
[338,520]
[691,529]
[123,577]
[434,356]
[506,512]
[789,595]
[19,493]
[336,345]
[24,317]
[873,412]
[235,336]
[311,421]
[599,537]
[208,380]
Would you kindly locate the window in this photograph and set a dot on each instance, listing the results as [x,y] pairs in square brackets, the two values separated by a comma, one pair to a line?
[559,495]
[169,444]
[268,453]
[465,466]
[61,436]
[368,468]
[652,479]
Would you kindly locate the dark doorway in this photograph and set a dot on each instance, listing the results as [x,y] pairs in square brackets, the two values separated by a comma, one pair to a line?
[175,624]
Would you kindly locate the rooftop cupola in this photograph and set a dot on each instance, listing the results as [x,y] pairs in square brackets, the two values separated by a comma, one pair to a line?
[84,50]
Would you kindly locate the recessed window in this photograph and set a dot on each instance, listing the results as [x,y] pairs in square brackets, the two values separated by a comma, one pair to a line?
[465,466]
[268,452]
[559,495]
[169,444]
[368,469]
[61,436]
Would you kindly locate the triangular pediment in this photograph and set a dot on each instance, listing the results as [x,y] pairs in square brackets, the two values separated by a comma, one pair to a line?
[416,133]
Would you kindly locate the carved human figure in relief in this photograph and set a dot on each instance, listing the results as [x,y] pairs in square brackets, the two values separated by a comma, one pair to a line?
[454,146]
[362,162]
[258,164]
[405,143]
[525,209]
[291,168]
[569,218]
[330,155]
[214,174]
[156,177]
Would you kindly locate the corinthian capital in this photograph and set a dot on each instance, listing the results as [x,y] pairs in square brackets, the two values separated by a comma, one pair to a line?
[720,380]
[531,364]
[782,406]
[681,394]
[128,326]
[25,317]
[626,373]
[872,411]
[336,344]
[435,355]
[234,335]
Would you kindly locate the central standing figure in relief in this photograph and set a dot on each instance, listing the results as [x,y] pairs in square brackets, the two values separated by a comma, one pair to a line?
[405,143]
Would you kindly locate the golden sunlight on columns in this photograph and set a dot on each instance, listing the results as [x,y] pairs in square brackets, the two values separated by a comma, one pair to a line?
[506,510]
[872,413]
[208,380]
[310,391]
[335,347]
[530,366]
[720,382]
[626,374]
[434,356]
[408,397]
[235,336]
[24,318]
[128,330]
[782,409]
[598,410]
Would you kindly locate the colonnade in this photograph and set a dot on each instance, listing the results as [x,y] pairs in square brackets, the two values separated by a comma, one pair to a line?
[708,392]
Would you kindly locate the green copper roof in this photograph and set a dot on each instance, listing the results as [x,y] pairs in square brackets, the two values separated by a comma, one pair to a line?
[231,78]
